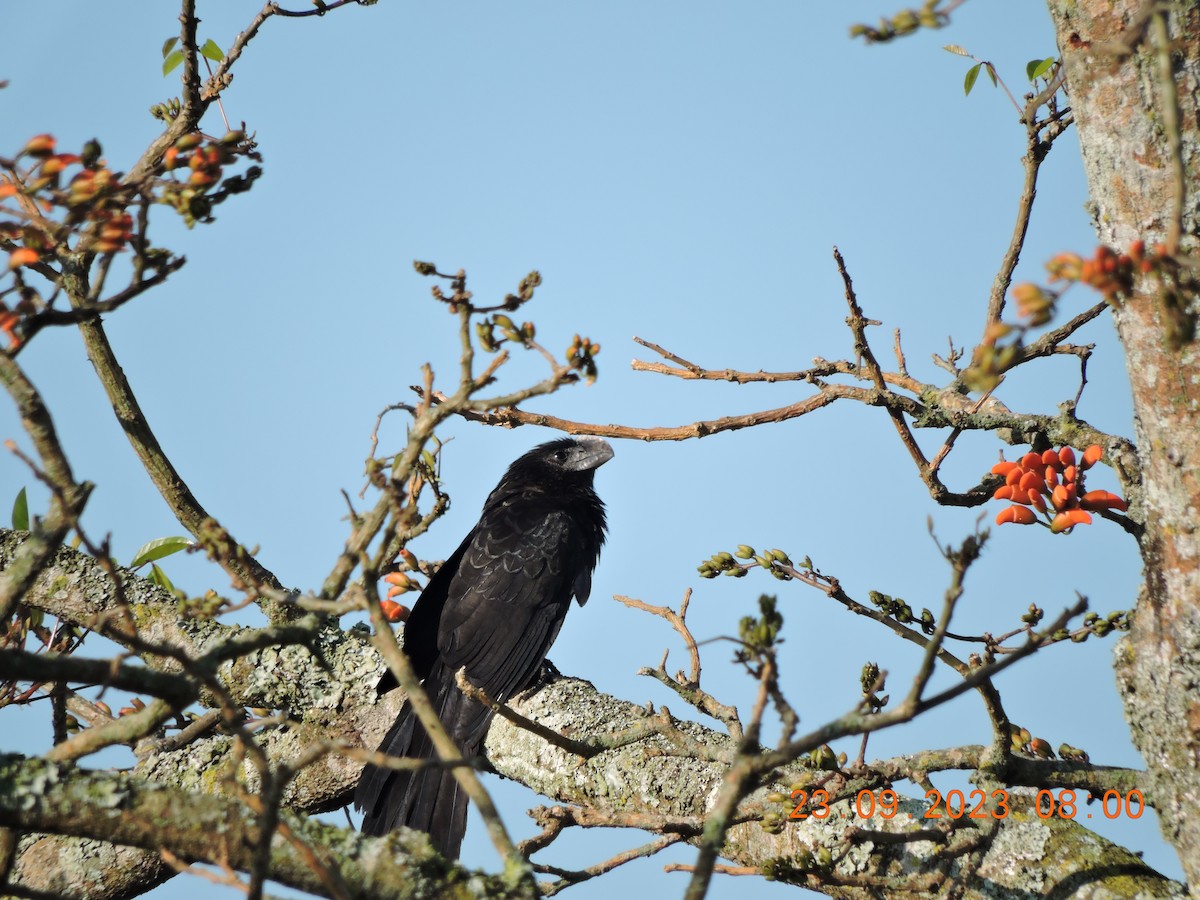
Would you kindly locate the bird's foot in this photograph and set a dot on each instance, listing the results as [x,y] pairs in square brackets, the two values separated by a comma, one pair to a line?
[547,673]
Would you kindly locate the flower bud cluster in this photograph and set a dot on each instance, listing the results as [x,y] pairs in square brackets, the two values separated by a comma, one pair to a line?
[1052,484]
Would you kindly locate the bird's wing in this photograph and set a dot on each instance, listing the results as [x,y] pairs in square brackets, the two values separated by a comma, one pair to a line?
[507,600]
[421,629]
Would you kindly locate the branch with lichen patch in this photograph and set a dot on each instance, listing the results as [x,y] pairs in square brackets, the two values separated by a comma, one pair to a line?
[122,809]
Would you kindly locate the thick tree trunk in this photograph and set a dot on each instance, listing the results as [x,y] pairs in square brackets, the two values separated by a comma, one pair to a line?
[1121,64]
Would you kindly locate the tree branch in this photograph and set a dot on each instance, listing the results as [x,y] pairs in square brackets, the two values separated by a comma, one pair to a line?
[43,796]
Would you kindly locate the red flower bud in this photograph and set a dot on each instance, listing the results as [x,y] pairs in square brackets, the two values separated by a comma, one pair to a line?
[1018,515]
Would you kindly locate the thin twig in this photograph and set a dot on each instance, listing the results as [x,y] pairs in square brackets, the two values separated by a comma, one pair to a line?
[688,688]
[578,748]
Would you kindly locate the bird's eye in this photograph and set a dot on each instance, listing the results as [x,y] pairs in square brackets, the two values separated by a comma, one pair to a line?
[560,455]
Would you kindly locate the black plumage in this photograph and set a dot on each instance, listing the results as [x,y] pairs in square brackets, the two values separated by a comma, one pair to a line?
[495,606]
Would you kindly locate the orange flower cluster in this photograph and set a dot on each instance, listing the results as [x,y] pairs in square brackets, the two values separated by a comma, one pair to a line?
[91,202]
[1051,483]
[205,162]
[1107,271]
[400,583]
[581,356]
[53,203]
[115,231]
[91,206]
[1034,303]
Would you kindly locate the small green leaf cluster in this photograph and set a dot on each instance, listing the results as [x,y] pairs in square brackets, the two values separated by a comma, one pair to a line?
[20,512]
[159,548]
[871,683]
[721,562]
[491,342]
[1114,621]
[172,57]
[973,74]
[494,330]
[825,759]
[1095,625]
[868,676]
[1036,68]
[525,289]
[772,822]
[791,869]
[774,561]
[762,632]
[1073,754]
[159,577]
[167,110]
[904,22]
[581,356]
[767,560]
[897,609]
[219,544]
[205,607]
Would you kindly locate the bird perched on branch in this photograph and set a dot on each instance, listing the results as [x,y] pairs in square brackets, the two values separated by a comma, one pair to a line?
[494,607]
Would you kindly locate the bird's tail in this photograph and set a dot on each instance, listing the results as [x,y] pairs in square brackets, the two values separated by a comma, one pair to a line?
[431,799]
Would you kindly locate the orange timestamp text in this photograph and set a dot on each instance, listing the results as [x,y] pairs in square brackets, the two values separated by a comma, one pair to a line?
[956,804]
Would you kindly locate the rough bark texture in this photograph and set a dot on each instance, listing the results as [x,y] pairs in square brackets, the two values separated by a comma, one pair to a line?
[333,700]
[308,855]
[642,781]
[1116,85]
[1029,856]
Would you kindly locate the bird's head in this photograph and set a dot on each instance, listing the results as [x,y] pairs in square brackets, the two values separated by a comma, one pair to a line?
[566,461]
[571,456]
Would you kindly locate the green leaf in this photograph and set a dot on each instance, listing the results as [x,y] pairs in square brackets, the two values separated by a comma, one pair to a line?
[210,50]
[969,81]
[991,70]
[159,577]
[158,548]
[172,61]
[169,45]
[956,50]
[20,512]
[1036,68]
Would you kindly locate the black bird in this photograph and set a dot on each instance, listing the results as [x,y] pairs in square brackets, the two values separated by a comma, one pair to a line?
[495,606]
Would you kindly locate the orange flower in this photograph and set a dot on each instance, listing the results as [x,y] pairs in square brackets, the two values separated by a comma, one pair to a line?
[22,256]
[1103,500]
[39,145]
[1018,515]
[393,611]
[8,324]
[1051,483]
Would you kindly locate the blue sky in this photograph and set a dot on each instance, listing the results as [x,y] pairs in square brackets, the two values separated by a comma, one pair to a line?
[677,172]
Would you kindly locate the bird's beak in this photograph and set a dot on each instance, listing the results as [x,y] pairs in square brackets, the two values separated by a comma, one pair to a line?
[597,451]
